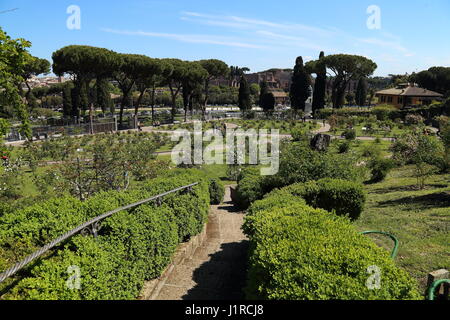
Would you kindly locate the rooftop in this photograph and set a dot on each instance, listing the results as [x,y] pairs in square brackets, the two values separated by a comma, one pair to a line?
[409,91]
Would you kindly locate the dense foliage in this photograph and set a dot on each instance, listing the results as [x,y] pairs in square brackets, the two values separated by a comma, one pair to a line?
[301,253]
[345,198]
[216,191]
[132,246]
[298,163]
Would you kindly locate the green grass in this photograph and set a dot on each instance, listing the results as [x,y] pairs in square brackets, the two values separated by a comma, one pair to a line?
[419,218]
[394,132]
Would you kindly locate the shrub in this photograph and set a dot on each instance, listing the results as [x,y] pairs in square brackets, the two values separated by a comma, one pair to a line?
[380,168]
[383,112]
[345,198]
[344,147]
[250,187]
[414,119]
[216,191]
[350,134]
[132,246]
[298,163]
[371,150]
[301,253]
[425,152]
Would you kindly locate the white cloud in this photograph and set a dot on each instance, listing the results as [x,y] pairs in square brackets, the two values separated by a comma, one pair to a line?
[190,38]
[248,23]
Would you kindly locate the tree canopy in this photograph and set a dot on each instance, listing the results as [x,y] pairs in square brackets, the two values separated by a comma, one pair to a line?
[300,87]
[215,69]
[346,68]
[14,59]
[320,85]
[244,99]
[434,79]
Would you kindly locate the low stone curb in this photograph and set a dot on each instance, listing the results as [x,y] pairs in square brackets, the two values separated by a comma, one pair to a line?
[184,251]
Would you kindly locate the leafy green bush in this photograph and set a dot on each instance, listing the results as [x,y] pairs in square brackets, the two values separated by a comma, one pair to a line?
[350,134]
[301,253]
[216,191]
[298,163]
[133,245]
[344,147]
[345,198]
[250,187]
[380,168]
[383,112]
[371,150]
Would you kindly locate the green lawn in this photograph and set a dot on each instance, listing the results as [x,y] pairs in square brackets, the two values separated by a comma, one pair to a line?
[419,218]
[377,132]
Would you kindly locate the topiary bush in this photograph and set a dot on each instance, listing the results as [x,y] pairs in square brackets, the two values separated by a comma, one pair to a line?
[132,246]
[301,253]
[216,191]
[298,164]
[380,168]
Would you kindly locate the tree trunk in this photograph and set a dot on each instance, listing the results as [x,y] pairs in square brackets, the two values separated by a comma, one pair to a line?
[138,103]
[153,104]
[205,102]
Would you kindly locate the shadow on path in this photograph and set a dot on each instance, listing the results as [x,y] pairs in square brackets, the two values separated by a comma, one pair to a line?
[223,277]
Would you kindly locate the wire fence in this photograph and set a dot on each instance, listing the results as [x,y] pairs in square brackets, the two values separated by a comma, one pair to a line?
[90,227]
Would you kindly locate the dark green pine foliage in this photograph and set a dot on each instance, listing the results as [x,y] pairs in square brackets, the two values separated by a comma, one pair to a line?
[103,95]
[300,87]
[320,85]
[361,92]
[244,100]
[67,99]
[266,98]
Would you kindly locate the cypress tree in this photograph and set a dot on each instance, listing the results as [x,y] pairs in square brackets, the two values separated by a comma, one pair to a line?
[266,98]
[320,85]
[361,92]
[262,92]
[300,87]
[67,100]
[244,101]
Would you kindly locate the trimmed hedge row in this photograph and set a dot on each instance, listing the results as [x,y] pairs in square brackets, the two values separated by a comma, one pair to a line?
[132,246]
[301,253]
[298,164]
[216,191]
[345,198]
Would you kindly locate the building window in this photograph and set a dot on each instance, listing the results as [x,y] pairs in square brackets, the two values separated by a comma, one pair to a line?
[389,99]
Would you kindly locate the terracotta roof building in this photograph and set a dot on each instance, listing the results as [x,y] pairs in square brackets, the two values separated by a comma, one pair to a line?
[281,97]
[407,95]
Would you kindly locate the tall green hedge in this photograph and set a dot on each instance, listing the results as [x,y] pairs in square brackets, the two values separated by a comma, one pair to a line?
[132,246]
[298,164]
[301,253]
[216,191]
[345,198]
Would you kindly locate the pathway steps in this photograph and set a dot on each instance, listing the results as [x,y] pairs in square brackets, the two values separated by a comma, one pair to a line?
[217,269]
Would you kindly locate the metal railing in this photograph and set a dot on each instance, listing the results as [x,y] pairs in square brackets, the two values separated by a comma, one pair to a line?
[90,227]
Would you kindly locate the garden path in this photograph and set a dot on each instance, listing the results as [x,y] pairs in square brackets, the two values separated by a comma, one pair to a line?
[217,269]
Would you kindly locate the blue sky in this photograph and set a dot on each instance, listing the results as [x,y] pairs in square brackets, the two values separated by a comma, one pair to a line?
[259,34]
